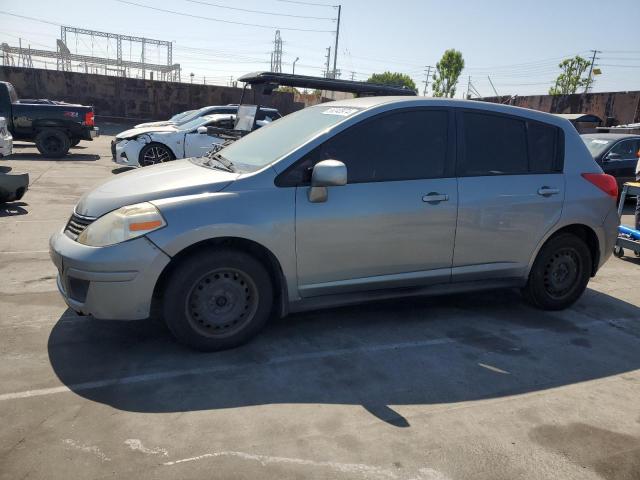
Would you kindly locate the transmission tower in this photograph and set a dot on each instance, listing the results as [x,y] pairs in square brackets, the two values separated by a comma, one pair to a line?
[276,55]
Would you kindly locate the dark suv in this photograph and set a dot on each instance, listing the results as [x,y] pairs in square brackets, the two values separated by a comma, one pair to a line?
[616,153]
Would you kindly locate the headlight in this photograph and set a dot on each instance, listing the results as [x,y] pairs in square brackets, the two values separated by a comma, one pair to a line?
[123,224]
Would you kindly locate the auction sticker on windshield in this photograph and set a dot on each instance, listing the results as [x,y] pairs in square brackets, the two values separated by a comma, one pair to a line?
[340,111]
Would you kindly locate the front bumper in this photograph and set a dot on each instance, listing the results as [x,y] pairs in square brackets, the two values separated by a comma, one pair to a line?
[6,147]
[111,283]
[126,152]
[13,186]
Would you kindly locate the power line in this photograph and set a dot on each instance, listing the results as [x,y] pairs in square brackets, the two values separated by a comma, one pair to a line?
[308,3]
[212,19]
[262,12]
[31,18]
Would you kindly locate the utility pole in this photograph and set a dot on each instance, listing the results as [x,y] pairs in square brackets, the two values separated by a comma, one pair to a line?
[353,76]
[327,74]
[466,97]
[494,88]
[426,80]
[335,50]
[593,60]
[294,65]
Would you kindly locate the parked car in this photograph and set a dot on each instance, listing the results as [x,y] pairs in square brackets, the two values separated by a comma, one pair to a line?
[12,186]
[53,126]
[616,153]
[266,114]
[140,147]
[340,203]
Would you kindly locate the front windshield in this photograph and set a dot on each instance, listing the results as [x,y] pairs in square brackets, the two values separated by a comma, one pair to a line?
[195,123]
[180,116]
[596,145]
[271,142]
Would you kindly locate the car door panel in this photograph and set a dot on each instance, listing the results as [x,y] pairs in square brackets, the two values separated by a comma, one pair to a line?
[198,144]
[501,220]
[511,193]
[375,235]
[393,224]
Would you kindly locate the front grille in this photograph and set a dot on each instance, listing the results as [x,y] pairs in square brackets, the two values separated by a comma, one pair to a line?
[76,225]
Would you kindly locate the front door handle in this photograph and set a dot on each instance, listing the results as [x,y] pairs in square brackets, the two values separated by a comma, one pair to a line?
[434,198]
[548,191]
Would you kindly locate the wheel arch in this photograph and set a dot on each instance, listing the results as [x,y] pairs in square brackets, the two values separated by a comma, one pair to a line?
[255,249]
[582,231]
[155,142]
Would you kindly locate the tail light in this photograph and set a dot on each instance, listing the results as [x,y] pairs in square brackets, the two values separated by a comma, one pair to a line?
[88,119]
[604,182]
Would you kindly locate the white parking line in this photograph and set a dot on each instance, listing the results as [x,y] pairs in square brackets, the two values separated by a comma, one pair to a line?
[154,376]
[350,469]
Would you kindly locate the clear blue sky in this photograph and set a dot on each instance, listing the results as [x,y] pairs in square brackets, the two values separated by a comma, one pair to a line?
[517,43]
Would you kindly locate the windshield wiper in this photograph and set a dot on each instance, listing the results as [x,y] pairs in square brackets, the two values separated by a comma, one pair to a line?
[227,164]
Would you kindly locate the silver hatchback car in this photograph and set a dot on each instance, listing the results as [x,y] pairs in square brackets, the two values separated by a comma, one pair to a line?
[341,203]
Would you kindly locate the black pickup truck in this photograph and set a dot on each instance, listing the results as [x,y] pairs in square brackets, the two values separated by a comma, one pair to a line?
[53,126]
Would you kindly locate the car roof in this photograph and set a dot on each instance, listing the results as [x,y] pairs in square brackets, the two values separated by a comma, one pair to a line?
[408,101]
[610,136]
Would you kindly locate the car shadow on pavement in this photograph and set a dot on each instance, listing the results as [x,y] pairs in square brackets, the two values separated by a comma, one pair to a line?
[31,156]
[379,355]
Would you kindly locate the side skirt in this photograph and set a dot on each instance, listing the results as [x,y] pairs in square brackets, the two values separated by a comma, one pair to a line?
[329,301]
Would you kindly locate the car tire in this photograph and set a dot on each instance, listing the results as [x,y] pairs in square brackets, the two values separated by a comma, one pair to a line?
[52,143]
[217,300]
[560,273]
[74,142]
[155,153]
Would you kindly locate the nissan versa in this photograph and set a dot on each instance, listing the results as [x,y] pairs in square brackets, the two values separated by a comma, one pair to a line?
[340,203]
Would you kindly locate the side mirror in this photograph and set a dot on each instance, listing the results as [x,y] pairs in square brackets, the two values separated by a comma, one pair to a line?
[612,156]
[201,130]
[328,173]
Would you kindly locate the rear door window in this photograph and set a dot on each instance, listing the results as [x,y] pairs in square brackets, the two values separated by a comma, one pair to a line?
[495,144]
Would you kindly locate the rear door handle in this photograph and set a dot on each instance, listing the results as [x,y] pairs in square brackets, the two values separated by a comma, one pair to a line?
[434,198]
[548,191]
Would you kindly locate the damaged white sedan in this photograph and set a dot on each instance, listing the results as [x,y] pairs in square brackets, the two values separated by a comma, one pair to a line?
[140,147]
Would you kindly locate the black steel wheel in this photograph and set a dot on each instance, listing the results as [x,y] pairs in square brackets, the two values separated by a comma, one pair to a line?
[155,153]
[222,302]
[618,251]
[217,300]
[560,273]
[52,143]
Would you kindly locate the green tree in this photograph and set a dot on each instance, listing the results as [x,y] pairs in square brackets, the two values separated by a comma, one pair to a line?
[448,70]
[570,79]
[394,79]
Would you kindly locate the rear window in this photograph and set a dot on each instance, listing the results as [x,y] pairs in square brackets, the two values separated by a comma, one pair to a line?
[501,145]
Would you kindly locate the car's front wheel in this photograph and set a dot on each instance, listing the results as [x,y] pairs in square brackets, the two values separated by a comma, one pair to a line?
[155,153]
[217,300]
[560,273]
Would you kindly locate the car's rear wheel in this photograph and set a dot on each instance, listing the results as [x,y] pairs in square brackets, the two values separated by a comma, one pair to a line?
[52,143]
[155,153]
[217,300]
[560,273]
[75,141]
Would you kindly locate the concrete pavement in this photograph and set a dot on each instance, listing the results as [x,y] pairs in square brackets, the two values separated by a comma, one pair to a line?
[473,386]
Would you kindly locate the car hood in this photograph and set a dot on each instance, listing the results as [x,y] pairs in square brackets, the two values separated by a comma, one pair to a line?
[171,179]
[162,123]
[134,132]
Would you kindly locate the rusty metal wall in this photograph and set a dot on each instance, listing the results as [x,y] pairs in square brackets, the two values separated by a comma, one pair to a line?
[624,107]
[129,97]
